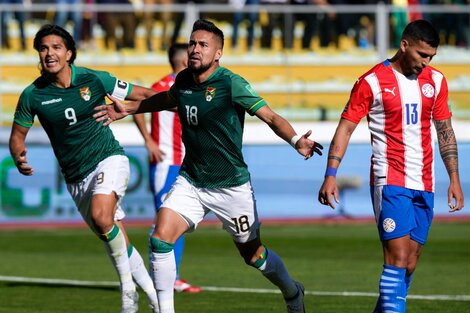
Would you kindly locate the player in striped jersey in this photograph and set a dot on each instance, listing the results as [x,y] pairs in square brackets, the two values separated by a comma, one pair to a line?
[166,149]
[92,161]
[212,102]
[401,97]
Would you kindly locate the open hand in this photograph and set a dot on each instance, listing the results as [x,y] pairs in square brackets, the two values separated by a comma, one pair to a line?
[307,147]
[109,113]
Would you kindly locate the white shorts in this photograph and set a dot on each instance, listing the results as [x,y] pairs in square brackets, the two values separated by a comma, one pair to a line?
[235,207]
[110,175]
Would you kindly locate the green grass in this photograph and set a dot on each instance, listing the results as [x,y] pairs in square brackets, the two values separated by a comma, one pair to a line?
[326,258]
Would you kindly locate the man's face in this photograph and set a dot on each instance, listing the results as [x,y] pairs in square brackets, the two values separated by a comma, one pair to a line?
[53,54]
[203,51]
[417,55]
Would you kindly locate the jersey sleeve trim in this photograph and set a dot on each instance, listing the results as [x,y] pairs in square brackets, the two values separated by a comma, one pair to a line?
[255,107]
[23,123]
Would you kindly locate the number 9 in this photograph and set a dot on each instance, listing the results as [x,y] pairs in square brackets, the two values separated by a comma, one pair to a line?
[70,115]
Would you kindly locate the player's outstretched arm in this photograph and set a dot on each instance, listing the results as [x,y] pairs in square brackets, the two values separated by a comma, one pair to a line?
[284,130]
[114,111]
[449,154]
[18,149]
[117,110]
[305,146]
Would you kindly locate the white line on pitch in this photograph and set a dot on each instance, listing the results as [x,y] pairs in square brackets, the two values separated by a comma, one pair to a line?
[89,283]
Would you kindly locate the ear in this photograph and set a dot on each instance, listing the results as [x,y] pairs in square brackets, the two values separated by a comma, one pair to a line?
[68,55]
[218,54]
[404,44]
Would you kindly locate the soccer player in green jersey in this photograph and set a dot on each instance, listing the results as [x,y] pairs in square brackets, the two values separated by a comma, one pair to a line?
[211,102]
[93,163]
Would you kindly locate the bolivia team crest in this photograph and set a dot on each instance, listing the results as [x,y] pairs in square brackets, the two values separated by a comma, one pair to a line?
[210,93]
[85,93]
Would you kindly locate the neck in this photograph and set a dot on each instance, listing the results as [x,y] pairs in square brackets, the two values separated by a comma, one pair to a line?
[62,79]
[202,77]
[395,63]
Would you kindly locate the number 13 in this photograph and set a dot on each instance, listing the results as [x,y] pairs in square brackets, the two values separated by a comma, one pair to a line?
[411,113]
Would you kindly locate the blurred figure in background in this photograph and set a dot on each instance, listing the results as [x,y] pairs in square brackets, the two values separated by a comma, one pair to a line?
[178,19]
[110,21]
[238,18]
[89,18]
[308,19]
[149,21]
[166,150]
[66,11]
[276,20]
[20,17]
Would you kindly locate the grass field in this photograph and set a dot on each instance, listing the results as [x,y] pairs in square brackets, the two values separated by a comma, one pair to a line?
[338,264]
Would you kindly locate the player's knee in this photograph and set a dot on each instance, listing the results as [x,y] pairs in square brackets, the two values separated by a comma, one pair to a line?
[102,222]
[410,268]
[247,256]
[160,246]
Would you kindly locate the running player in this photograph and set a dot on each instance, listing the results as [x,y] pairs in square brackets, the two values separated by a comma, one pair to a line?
[400,97]
[211,103]
[92,161]
[166,150]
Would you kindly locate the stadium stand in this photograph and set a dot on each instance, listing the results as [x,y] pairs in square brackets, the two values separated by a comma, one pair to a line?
[302,84]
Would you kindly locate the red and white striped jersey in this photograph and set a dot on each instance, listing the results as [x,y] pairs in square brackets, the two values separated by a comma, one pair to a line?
[399,112]
[166,127]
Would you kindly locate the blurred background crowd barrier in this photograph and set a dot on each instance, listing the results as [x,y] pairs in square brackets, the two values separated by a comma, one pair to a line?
[301,55]
[286,186]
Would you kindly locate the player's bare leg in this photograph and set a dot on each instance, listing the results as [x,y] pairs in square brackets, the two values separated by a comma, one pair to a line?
[102,216]
[169,227]
[272,267]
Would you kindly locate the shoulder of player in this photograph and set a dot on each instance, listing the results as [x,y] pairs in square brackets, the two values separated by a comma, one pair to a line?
[379,70]
[164,83]
[430,70]
[38,84]
[224,74]
[81,71]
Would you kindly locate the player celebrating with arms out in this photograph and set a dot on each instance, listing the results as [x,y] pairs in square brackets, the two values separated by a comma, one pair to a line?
[166,150]
[211,102]
[400,98]
[92,161]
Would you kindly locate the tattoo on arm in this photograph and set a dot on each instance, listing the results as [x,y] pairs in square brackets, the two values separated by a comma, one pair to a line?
[334,157]
[447,145]
[334,150]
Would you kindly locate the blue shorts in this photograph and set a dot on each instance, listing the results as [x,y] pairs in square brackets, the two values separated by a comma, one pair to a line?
[401,211]
[162,177]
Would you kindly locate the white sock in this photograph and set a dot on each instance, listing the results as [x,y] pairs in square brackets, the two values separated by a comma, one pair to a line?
[141,275]
[115,245]
[274,270]
[163,269]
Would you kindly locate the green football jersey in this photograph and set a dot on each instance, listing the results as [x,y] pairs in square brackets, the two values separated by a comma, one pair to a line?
[212,115]
[66,114]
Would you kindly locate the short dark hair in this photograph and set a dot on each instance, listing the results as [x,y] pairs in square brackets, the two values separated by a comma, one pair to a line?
[209,27]
[422,30]
[50,29]
[174,49]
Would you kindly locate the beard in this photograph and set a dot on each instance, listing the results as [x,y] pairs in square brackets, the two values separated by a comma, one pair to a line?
[199,69]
